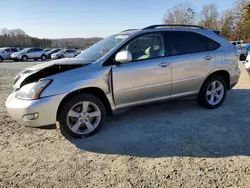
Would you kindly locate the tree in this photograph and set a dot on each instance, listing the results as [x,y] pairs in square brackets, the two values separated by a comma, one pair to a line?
[227,24]
[180,14]
[209,16]
[246,22]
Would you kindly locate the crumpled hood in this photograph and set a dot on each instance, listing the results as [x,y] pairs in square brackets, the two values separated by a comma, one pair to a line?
[42,70]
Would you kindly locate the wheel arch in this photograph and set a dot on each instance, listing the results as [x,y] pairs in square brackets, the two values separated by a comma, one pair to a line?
[99,93]
[24,56]
[222,73]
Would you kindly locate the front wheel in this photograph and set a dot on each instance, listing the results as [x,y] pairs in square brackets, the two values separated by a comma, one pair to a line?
[24,58]
[212,93]
[81,116]
[43,57]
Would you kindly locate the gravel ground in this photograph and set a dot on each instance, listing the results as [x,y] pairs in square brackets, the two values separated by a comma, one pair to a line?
[177,144]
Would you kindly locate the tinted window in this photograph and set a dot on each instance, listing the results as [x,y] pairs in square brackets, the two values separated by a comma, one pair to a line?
[147,46]
[7,50]
[38,49]
[14,50]
[181,42]
[31,50]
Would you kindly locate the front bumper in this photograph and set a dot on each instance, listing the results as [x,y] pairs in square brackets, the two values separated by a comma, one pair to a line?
[46,109]
[55,56]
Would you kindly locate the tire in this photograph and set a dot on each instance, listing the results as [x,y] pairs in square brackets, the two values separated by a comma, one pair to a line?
[242,57]
[24,58]
[205,98]
[75,104]
[43,57]
[62,56]
[35,59]
[1,59]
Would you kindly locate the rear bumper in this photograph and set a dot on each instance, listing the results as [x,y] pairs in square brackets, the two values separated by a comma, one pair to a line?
[234,77]
[44,108]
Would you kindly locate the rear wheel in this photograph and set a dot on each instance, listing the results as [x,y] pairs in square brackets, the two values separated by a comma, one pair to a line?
[81,116]
[212,93]
[1,59]
[35,59]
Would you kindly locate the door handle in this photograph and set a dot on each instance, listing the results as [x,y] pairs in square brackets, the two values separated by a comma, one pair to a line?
[164,64]
[208,57]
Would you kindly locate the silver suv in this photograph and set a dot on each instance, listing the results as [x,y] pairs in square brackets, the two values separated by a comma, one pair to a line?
[64,53]
[5,53]
[134,67]
[29,53]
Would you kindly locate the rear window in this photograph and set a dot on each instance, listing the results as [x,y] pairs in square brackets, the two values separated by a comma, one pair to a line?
[7,50]
[183,42]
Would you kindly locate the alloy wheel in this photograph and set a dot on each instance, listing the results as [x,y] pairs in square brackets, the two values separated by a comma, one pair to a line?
[215,92]
[84,117]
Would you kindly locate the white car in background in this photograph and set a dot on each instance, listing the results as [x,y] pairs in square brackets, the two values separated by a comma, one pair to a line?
[242,52]
[5,53]
[247,64]
[29,53]
[64,53]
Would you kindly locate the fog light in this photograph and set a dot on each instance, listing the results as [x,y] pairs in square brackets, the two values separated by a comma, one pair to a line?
[29,117]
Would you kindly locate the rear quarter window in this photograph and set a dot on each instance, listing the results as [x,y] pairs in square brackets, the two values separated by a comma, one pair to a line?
[184,42]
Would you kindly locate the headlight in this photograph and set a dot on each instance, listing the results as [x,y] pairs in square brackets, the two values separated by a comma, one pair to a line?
[33,90]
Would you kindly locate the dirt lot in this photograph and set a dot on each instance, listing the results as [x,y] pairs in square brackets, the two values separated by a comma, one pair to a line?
[177,144]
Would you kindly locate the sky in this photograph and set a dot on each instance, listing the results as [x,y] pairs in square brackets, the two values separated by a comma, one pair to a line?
[88,18]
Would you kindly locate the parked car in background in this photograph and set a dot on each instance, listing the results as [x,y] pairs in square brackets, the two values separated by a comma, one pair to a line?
[242,52]
[247,46]
[47,49]
[237,42]
[5,53]
[64,53]
[29,53]
[52,51]
[247,63]
[133,67]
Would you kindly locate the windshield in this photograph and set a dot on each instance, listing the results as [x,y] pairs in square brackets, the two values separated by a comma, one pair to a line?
[101,48]
[24,50]
[240,47]
[54,50]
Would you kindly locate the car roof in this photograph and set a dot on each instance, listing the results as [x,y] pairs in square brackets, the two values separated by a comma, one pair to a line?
[169,27]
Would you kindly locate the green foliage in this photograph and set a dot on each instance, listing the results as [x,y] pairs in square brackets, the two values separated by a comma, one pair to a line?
[246,21]
[18,38]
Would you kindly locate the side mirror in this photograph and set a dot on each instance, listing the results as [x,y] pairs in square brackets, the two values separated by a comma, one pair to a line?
[123,57]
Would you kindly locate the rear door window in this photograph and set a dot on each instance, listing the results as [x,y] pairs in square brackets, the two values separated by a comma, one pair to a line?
[183,42]
[14,50]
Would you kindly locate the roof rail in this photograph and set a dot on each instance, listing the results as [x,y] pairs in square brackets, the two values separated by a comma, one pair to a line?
[172,25]
[128,30]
